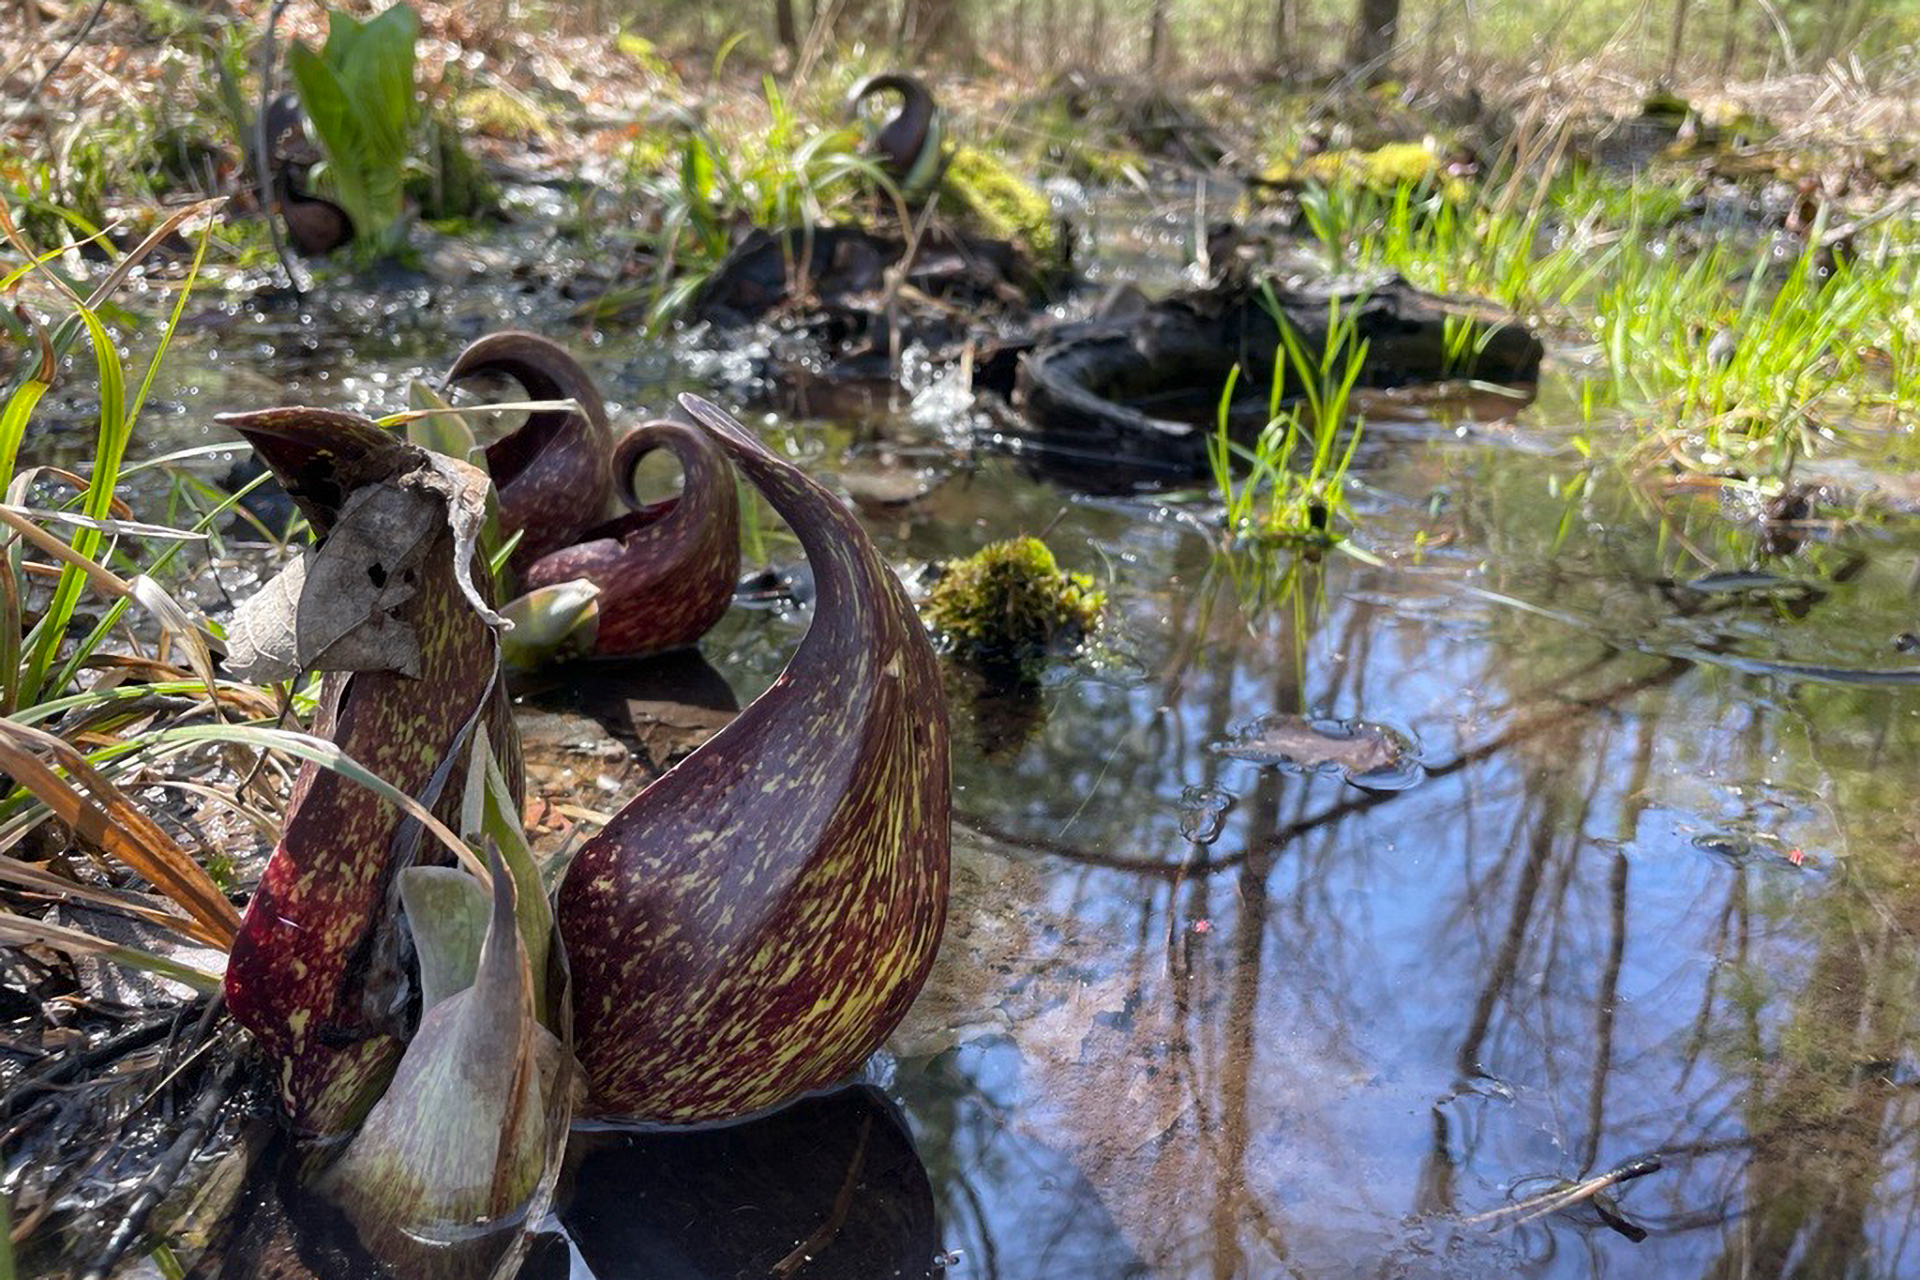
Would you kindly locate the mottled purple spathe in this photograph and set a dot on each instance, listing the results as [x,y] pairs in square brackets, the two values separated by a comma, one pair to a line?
[665,570]
[315,974]
[753,924]
[552,472]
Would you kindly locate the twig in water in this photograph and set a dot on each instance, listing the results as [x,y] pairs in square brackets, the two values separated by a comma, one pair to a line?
[166,1172]
[836,1217]
[1565,1197]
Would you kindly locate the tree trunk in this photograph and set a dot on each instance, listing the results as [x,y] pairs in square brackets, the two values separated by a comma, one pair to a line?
[1730,43]
[1097,35]
[1679,38]
[1373,32]
[1157,37]
[934,26]
[1283,36]
[783,26]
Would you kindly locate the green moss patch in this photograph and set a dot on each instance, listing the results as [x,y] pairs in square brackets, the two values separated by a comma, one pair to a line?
[1383,170]
[997,202]
[1010,605]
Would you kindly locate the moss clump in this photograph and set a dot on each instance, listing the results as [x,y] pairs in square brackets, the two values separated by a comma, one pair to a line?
[1010,604]
[1381,171]
[997,202]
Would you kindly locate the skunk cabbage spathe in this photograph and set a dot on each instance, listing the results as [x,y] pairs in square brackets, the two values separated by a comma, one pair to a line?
[755,922]
[316,971]
[665,570]
[911,145]
[552,471]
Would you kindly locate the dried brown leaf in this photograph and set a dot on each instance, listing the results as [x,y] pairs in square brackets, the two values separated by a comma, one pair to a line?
[110,822]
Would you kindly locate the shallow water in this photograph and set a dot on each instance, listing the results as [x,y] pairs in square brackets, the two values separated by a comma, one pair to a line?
[1650,893]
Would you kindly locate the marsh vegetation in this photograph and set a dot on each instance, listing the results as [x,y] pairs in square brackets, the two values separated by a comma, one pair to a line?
[1304,663]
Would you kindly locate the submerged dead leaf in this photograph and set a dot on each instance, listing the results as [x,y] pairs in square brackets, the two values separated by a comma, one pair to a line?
[1370,755]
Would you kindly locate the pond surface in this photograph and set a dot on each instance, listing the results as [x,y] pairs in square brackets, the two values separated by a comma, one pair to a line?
[1651,894]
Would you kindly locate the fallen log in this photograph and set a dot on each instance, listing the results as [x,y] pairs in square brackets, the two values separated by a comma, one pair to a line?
[1142,389]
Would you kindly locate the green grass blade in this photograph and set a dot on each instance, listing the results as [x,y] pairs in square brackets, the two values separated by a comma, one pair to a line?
[110,450]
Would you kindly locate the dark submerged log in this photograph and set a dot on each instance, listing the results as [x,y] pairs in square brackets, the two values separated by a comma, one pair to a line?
[1095,386]
[827,289]
[845,268]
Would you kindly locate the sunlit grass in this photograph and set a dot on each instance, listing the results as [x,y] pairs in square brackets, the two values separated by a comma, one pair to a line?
[1269,491]
[1729,347]
[701,181]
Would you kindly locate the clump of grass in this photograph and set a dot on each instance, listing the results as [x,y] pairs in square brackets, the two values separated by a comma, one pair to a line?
[1010,605]
[700,183]
[498,112]
[1742,353]
[1282,497]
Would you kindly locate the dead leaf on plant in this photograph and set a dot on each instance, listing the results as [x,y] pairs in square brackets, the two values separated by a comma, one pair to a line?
[337,608]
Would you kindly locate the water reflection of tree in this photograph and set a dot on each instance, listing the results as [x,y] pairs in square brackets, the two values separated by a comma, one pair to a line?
[1590,985]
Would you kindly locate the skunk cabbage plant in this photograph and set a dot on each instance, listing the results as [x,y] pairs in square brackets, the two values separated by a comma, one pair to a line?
[665,570]
[748,928]
[754,923]
[552,471]
[911,145]
[389,604]
[461,1138]
[661,574]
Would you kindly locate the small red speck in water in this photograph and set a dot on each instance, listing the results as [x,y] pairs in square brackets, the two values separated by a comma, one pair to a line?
[1203,926]
[1796,856]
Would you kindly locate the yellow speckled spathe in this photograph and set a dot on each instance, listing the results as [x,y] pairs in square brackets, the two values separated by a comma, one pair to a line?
[753,924]
[314,971]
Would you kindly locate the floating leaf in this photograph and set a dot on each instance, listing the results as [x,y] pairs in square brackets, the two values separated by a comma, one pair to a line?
[1367,755]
